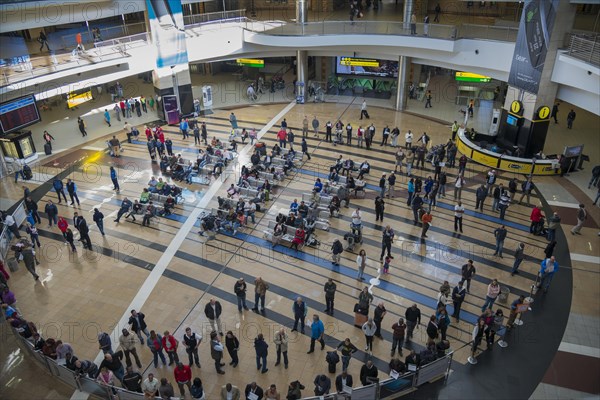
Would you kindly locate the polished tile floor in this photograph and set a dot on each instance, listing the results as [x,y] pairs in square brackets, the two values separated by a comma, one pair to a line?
[80,295]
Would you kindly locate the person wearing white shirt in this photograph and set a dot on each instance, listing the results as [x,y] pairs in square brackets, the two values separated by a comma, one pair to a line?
[150,387]
[408,138]
[458,185]
[369,328]
[356,220]
[459,210]
[10,222]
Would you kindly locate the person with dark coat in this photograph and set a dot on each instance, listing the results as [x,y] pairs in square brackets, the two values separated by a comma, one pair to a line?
[261,347]
[458,296]
[82,226]
[232,344]
[343,379]
[213,311]
[59,189]
[72,190]
[255,390]
[322,385]
[32,207]
[132,380]
[99,220]
[369,370]
[113,363]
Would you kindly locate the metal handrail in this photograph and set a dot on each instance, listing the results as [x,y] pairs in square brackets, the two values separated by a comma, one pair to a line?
[488,32]
[113,32]
[586,48]
[194,20]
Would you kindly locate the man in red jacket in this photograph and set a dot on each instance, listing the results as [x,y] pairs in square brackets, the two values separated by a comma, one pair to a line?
[183,376]
[170,346]
[282,136]
[536,218]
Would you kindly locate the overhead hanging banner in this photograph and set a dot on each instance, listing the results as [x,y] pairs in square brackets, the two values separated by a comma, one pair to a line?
[168,32]
[533,39]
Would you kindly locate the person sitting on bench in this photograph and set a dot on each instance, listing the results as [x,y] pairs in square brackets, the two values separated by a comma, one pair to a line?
[303,209]
[298,238]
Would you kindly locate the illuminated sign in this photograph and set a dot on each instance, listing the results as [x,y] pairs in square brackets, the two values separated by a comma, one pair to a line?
[251,62]
[75,99]
[358,62]
[471,77]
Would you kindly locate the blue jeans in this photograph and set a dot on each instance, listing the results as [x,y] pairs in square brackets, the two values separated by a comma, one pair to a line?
[545,281]
[489,302]
[251,215]
[241,302]
[156,354]
[17,173]
[258,298]
[551,234]
[499,247]
[264,362]
[345,362]
[100,225]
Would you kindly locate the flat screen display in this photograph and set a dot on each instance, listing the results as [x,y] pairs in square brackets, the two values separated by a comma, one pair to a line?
[366,67]
[511,120]
[18,113]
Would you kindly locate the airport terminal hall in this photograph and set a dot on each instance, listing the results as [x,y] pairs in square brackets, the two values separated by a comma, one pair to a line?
[299,199]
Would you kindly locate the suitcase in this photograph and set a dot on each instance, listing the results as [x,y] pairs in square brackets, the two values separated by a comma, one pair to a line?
[360,319]
[13,265]
[48,149]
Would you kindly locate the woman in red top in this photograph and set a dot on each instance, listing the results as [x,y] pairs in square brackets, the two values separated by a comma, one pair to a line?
[63,225]
[536,218]
[298,238]
[148,133]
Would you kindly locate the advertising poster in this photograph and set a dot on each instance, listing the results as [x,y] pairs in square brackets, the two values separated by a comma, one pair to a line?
[171,111]
[166,26]
[533,39]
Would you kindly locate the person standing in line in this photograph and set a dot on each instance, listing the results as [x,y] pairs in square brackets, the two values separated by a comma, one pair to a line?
[216,351]
[328,130]
[382,182]
[233,344]
[305,127]
[170,345]
[233,121]
[549,266]
[329,289]
[115,180]
[336,250]
[570,118]
[462,164]
[595,177]
[138,325]
[426,221]
[304,147]
[183,377]
[82,226]
[413,24]
[300,309]
[261,348]
[496,196]
[458,296]
[399,329]
[260,292]
[386,242]
[81,126]
[385,134]
[361,261]
[347,349]
[196,132]
[317,333]
[213,310]
[514,312]
[468,271]
[379,208]
[400,156]
[480,196]
[553,225]
[281,345]
[493,290]
[500,235]
[455,127]
[438,11]
[349,134]
[239,289]
[459,183]
[369,328]
[132,380]
[72,190]
[254,390]
[58,186]
[315,126]
[519,256]
[99,220]
[503,204]
[459,211]
[192,341]
[408,139]
[363,110]
[581,217]
[155,345]
[204,133]
[526,188]
[378,316]
[413,320]
[127,342]
[391,184]
[32,208]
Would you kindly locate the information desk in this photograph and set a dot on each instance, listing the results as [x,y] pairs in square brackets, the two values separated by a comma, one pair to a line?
[501,162]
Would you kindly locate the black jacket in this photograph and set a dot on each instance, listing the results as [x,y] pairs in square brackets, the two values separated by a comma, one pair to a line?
[81,225]
[338,382]
[258,392]
[210,312]
[115,364]
[31,205]
[240,289]
[413,315]
[134,322]
[366,372]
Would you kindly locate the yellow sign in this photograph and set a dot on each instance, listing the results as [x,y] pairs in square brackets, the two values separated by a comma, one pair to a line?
[516,107]
[484,159]
[73,99]
[515,166]
[251,62]
[463,148]
[544,169]
[471,77]
[358,62]
[543,112]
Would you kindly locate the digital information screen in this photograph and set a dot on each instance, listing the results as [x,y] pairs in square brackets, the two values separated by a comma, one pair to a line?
[251,62]
[471,77]
[18,113]
[367,67]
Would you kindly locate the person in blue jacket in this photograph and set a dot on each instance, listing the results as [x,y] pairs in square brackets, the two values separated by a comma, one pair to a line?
[317,332]
[114,178]
[59,188]
[548,268]
[318,186]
